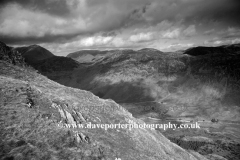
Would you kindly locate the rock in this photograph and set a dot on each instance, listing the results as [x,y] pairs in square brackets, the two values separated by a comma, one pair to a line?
[11,56]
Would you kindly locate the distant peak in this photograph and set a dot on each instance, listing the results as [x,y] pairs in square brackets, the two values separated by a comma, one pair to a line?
[149,50]
[34,45]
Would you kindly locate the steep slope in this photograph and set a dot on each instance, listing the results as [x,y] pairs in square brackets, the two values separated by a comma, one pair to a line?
[35,112]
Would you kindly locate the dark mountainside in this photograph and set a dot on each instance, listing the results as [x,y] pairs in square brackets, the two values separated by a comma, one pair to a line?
[200,84]
[34,53]
[32,107]
[44,61]
[55,64]
[197,51]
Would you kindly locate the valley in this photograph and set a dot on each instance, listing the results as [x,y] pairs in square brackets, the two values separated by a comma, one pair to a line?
[197,85]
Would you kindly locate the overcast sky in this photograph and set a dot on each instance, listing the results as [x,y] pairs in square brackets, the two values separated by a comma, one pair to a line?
[64,26]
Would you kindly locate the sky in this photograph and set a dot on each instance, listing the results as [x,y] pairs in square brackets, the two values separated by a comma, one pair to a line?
[65,26]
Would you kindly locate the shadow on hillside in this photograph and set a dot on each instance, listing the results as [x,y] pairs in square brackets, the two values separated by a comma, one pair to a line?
[123,92]
[204,81]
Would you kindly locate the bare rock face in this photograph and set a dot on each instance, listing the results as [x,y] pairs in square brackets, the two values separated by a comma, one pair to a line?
[81,138]
[72,118]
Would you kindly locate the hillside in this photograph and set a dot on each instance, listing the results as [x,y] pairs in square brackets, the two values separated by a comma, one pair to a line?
[82,52]
[197,51]
[200,84]
[55,64]
[34,110]
[44,61]
[87,56]
[34,53]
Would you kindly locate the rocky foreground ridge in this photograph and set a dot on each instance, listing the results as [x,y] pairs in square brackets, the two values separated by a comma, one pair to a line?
[32,106]
[11,56]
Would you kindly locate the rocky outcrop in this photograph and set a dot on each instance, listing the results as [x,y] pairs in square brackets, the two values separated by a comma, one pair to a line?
[11,56]
[70,117]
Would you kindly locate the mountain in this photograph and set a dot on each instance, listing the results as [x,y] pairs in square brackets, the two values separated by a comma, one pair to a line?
[87,56]
[82,52]
[34,53]
[200,84]
[178,87]
[37,115]
[197,51]
[55,64]
[45,61]
[92,56]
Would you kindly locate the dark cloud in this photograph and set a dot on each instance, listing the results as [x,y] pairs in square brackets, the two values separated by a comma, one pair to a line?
[55,7]
[116,22]
[36,40]
[109,34]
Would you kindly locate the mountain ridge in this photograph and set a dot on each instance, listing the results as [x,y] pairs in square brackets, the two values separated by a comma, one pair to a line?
[201,50]
[34,53]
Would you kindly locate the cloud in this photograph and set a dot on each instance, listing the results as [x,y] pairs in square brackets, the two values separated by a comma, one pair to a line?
[190,31]
[17,21]
[228,41]
[231,32]
[218,42]
[95,41]
[221,41]
[141,37]
[85,42]
[118,23]
[172,33]
[178,46]
[230,35]
[178,31]
[234,41]
[208,32]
